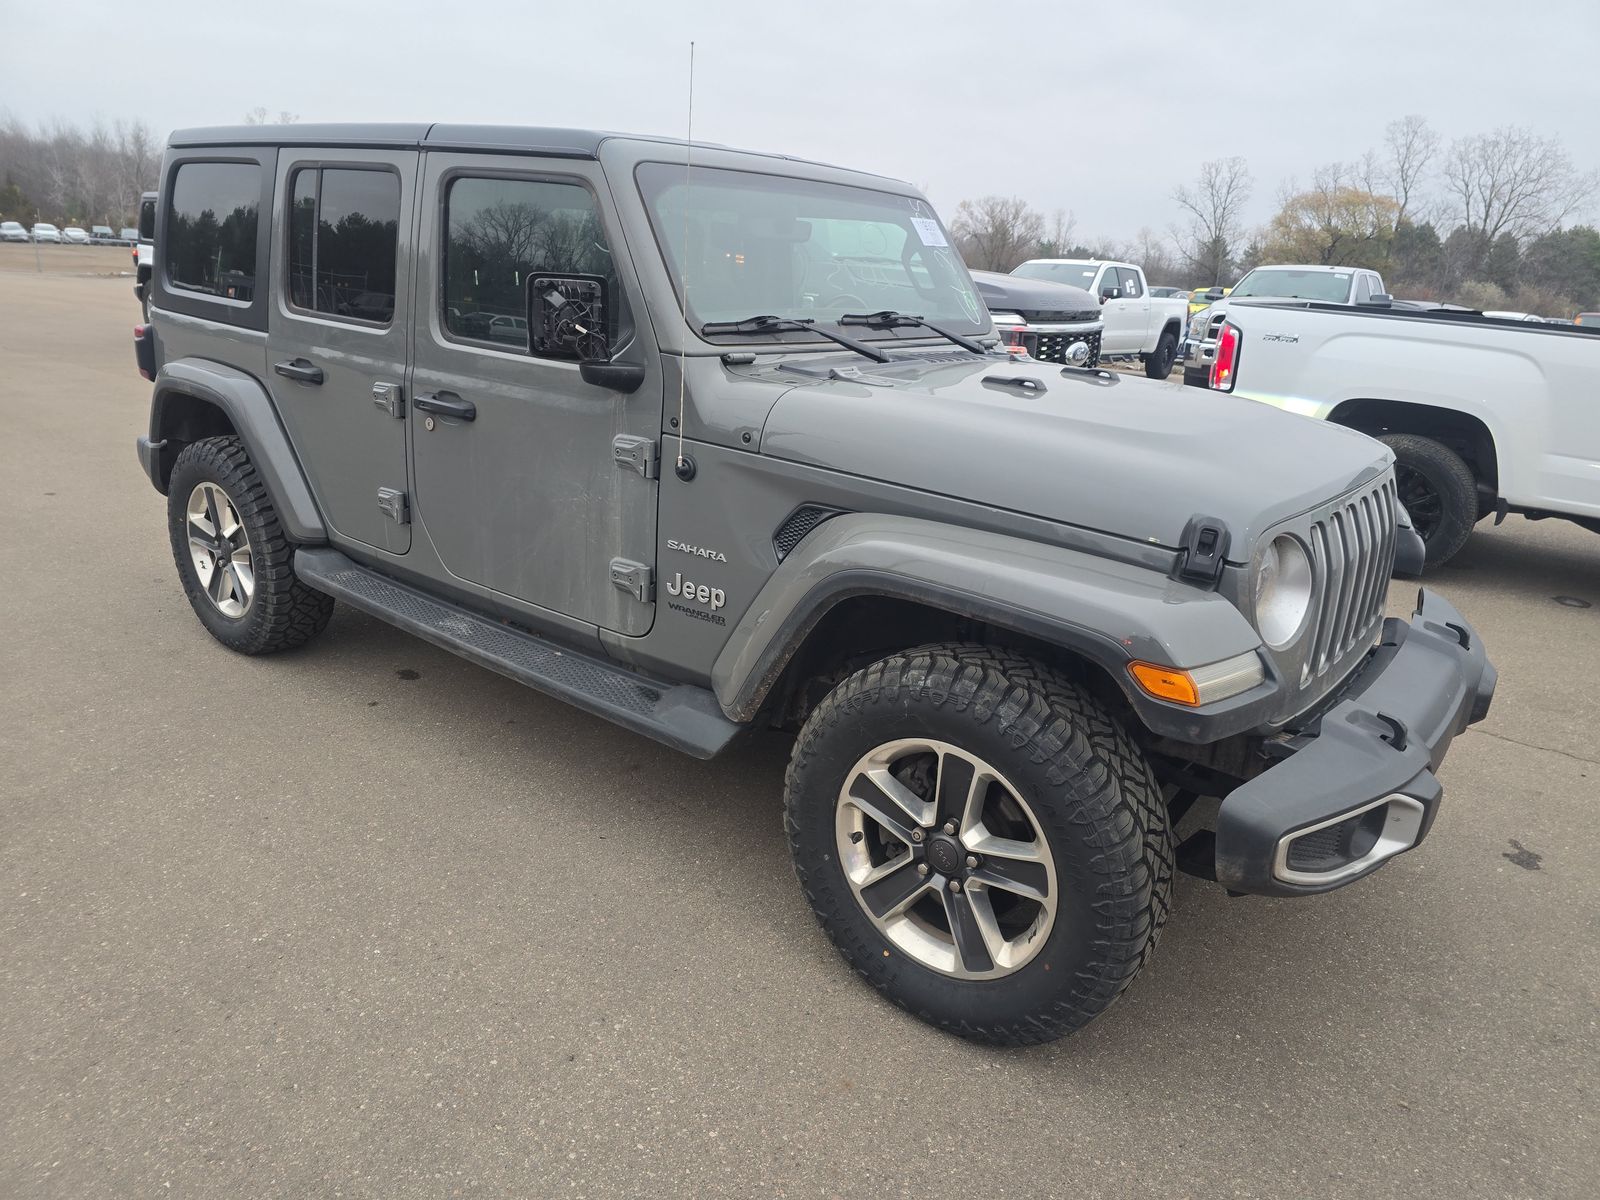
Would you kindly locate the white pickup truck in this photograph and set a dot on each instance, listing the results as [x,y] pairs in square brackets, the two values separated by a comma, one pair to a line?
[1137,324]
[1484,415]
[1330,285]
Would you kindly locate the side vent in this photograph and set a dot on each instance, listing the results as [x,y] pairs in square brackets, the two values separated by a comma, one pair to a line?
[799,523]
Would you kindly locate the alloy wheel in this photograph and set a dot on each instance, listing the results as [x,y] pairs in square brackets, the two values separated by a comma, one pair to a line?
[946,858]
[220,550]
[1422,501]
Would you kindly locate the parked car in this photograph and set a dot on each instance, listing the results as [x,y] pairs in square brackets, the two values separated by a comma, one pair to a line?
[1484,414]
[12,231]
[1047,321]
[1330,285]
[144,251]
[1531,318]
[102,234]
[1166,293]
[127,236]
[1018,614]
[1136,326]
[1587,319]
[75,235]
[43,231]
[1203,298]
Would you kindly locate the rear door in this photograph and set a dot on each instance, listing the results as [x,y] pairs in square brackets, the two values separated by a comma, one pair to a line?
[338,340]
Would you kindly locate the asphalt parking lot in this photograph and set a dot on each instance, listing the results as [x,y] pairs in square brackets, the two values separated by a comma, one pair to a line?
[365,920]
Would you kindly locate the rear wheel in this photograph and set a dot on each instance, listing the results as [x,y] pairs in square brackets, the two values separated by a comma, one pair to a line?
[1159,364]
[981,840]
[1439,491]
[232,556]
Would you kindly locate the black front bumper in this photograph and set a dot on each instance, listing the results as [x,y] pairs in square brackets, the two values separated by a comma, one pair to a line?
[1357,787]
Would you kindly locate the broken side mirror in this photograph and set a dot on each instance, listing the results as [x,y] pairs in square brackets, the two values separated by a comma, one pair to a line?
[569,318]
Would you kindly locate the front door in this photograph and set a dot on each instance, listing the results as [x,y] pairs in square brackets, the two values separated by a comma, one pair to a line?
[516,481]
[1128,316]
[337,331]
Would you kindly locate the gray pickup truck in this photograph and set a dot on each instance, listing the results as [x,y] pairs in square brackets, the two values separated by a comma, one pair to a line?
[701,441]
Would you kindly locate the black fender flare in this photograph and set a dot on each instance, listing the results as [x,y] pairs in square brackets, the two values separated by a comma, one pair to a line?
[248,408]
[1109,612]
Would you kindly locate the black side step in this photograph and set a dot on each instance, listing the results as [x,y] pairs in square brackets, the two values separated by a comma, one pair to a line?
[686,718]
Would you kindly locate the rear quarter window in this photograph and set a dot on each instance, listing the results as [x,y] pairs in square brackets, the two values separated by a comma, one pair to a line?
[211,230]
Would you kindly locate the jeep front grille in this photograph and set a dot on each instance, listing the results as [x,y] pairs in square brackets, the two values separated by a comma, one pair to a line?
[1052,347]
[1352,557]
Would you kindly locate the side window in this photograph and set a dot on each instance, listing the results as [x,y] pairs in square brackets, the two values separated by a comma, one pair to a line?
[1129,283]
[343,230]
[1363,288]
[211,230]
[498,233]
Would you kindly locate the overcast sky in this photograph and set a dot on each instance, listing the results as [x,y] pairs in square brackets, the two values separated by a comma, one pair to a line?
[1101,109]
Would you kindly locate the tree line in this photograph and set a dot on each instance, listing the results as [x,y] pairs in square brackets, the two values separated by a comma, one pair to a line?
[1486,220]
[67,175]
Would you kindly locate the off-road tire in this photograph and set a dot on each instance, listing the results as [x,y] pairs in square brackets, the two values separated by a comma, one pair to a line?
[284,612]
[1089,785]
[1158,365]
[1451,483]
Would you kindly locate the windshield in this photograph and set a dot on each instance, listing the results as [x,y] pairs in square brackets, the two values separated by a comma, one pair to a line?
[1078,274]
[768,244]
[1290,284]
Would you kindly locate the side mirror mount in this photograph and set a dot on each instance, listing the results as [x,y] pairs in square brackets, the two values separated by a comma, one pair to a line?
[1109,293]
[624,377]
[568,317]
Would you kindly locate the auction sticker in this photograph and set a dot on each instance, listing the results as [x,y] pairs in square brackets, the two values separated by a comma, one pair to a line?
[928,230]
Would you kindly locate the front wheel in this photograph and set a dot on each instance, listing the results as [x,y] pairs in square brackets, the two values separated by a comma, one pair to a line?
[1159,364]
[981,840]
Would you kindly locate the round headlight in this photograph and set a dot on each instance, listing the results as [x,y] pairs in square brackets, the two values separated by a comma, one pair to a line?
[1283,591]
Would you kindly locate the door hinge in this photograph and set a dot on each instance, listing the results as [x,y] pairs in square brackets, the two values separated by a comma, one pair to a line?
[638,580]
[636,453]
[390,397]
[394,504]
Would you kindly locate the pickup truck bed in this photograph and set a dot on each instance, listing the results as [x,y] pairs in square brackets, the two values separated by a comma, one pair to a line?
[1484,415]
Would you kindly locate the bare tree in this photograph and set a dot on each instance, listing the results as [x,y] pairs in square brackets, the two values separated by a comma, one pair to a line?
[1215,210]
[1057,239]
[1513,181]
[995,233]
[1401,169]
[259,116]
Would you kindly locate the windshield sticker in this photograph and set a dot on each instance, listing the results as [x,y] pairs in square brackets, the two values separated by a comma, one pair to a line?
[928,230]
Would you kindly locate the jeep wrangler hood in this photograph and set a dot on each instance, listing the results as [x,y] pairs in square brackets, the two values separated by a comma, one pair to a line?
[1109,452]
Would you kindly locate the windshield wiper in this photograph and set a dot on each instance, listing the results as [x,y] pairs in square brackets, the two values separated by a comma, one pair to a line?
[887,319]
[771,324]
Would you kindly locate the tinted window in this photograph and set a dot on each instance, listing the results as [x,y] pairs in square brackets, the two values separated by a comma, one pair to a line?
[1129,284]
[211,231]
[147,220]
[1363,288]
[498,232]
[343,230]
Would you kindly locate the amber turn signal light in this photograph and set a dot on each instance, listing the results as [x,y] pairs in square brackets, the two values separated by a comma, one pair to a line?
[1165,683]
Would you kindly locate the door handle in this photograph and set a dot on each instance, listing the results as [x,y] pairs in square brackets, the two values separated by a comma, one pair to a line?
[299,368]
[447,404]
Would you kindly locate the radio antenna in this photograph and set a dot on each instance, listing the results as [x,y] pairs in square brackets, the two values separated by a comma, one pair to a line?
[688,168]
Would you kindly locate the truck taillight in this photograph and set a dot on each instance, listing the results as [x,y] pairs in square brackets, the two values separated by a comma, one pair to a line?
[1227,360]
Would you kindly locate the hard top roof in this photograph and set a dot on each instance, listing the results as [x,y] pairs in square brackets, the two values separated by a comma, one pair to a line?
[513,139]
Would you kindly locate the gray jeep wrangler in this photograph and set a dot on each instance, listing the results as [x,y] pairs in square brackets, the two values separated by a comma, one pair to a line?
[704,442]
